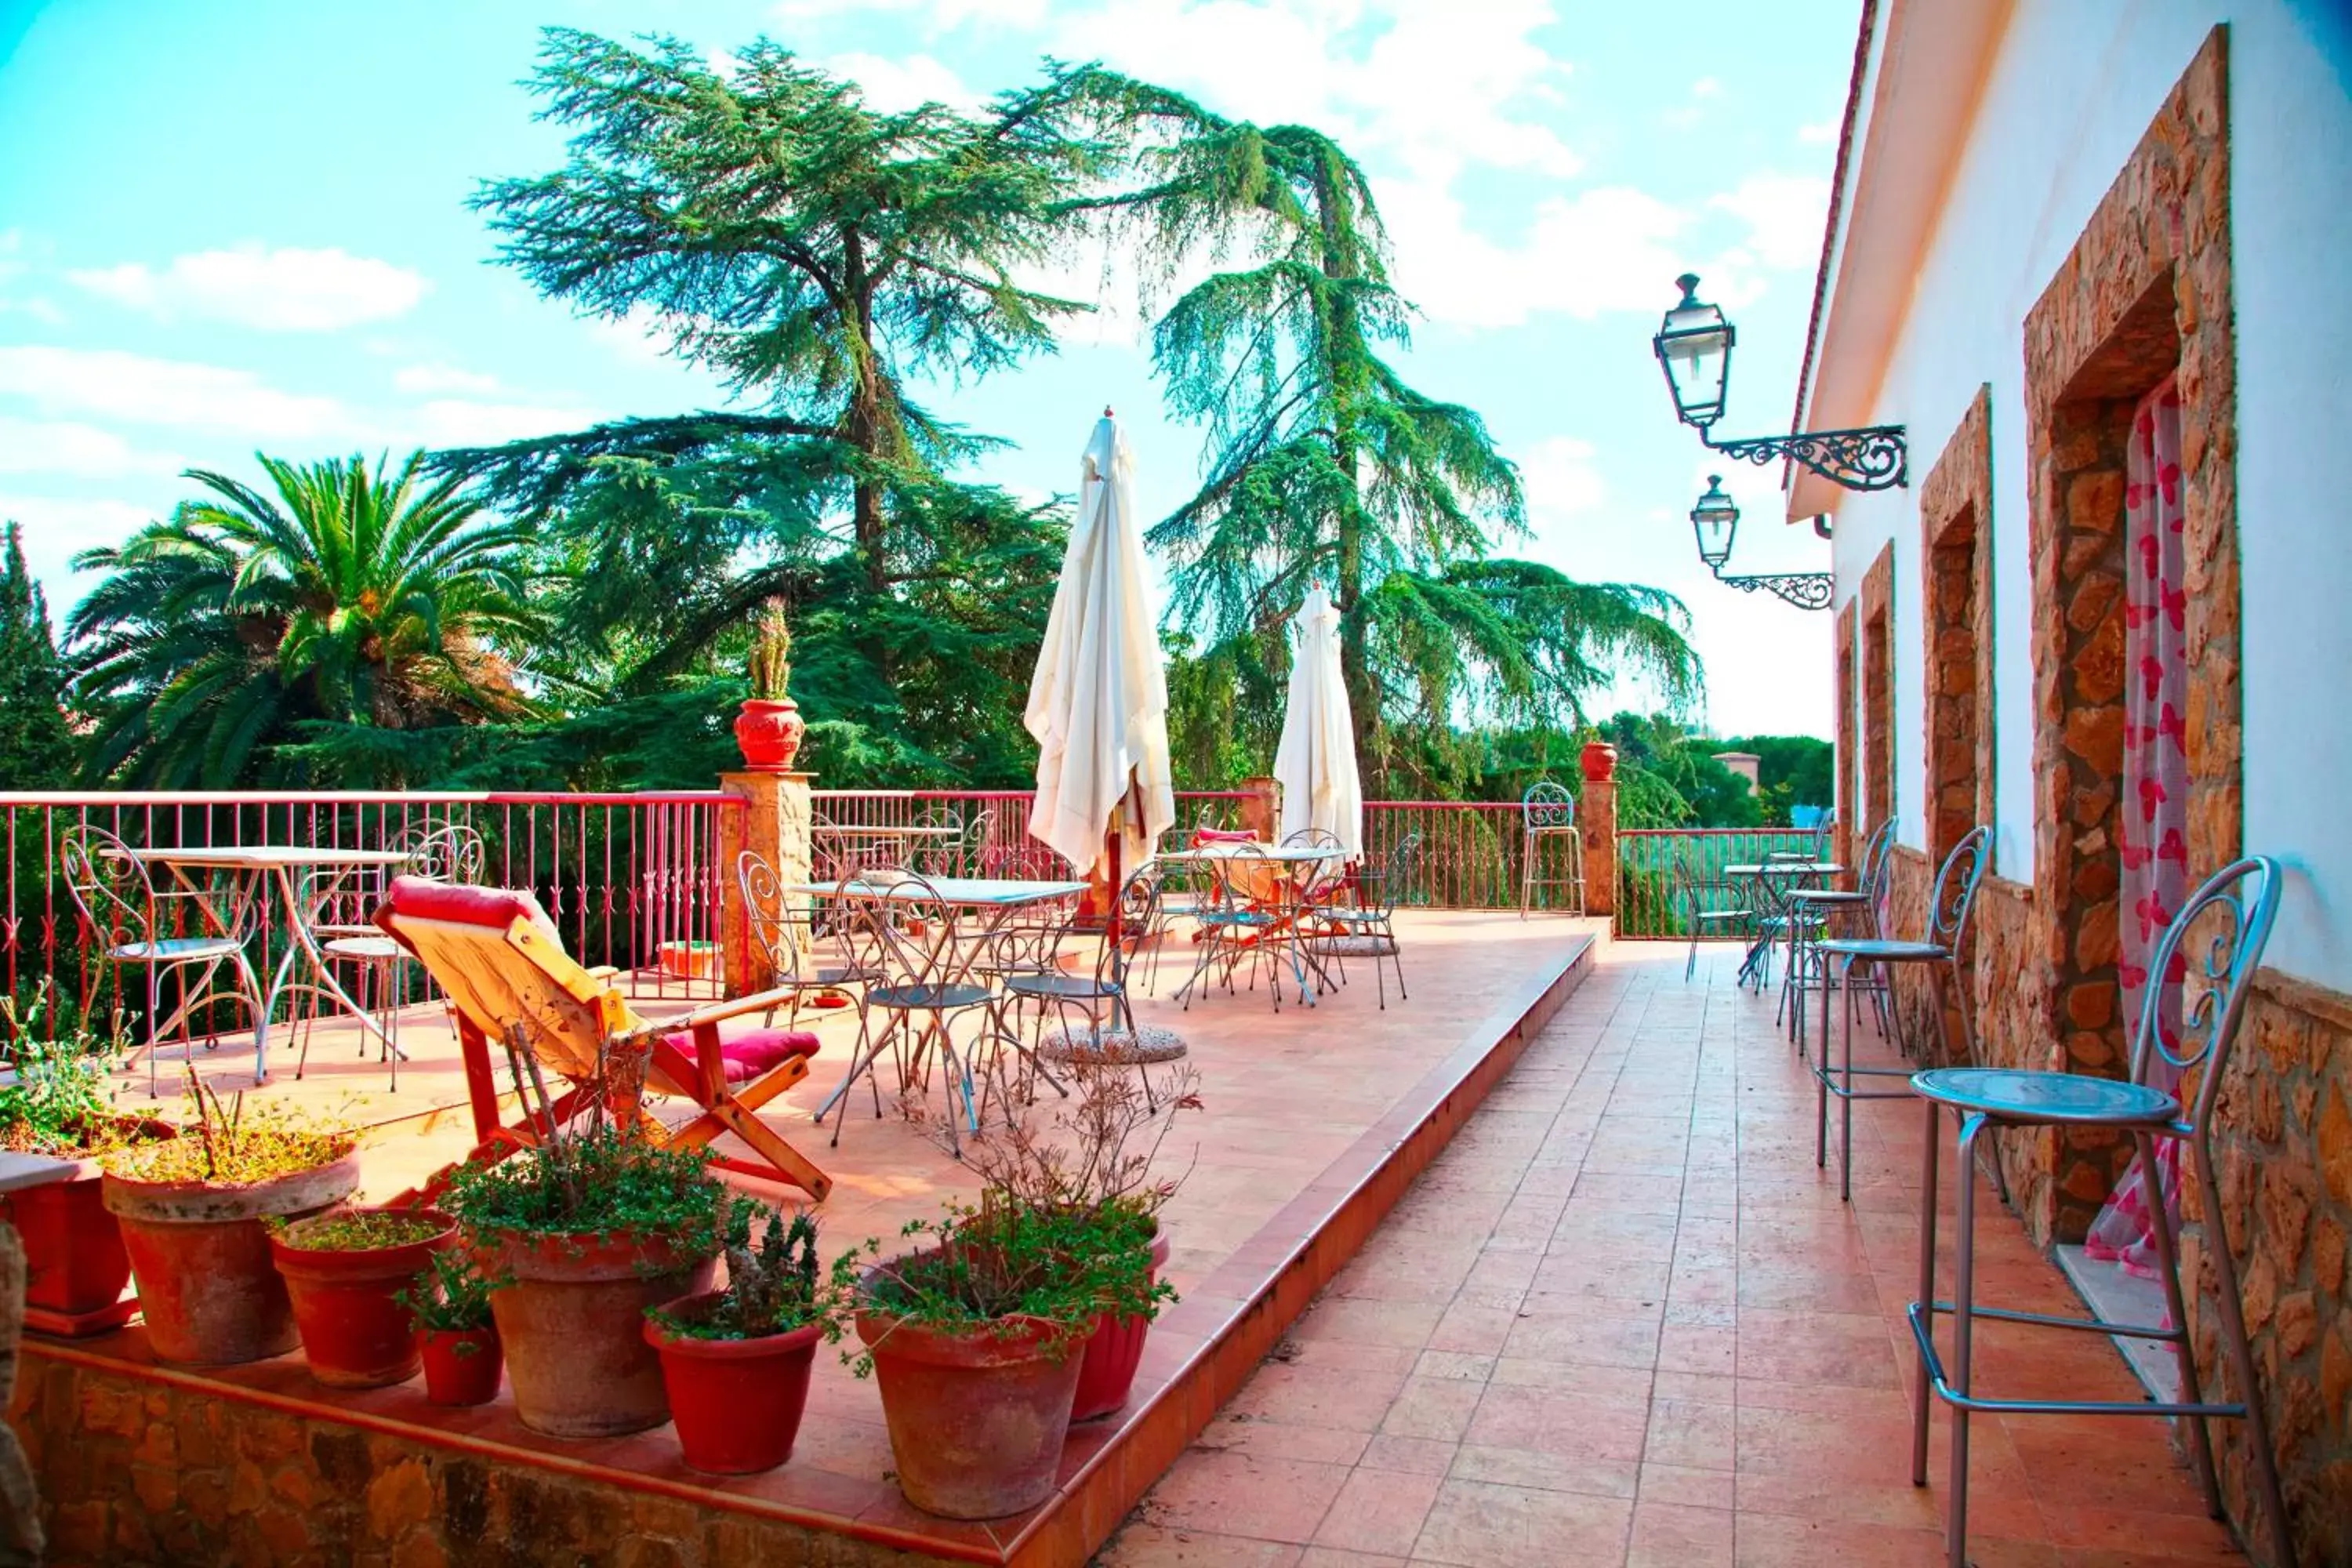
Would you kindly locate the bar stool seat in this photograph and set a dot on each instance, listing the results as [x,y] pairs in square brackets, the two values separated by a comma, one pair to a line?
[2017,1094]
[1881,949]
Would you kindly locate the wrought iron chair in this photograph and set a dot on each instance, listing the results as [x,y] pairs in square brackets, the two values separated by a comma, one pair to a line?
[443,852]
[1112,1036]
[1366,928]
[1948,926]
[788,935]
[1250,919]
[2241,900]
[129,918]
[1706,906]
[1813,911]
[1548,812]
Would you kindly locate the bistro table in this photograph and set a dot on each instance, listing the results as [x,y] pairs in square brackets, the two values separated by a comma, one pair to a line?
[302,876]
[992,902]
[1293,860]
[1773,882]
[838,838]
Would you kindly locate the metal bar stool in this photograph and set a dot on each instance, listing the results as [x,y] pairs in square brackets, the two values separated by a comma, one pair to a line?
[1549,811]
[1948,923]
[2244,899]
[1813,910]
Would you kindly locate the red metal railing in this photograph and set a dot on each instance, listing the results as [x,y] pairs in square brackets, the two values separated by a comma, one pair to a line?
[1649,899]
[633,880]
[1003,843]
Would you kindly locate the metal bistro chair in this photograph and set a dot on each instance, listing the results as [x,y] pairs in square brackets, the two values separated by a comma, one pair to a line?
[1368,926]
[790,939]
[1701,910]
[1811,910]
[1244,920]
[2244,899]
[110,885]
[1111,1036]
[448,852]
[1948,925]
[1549,811]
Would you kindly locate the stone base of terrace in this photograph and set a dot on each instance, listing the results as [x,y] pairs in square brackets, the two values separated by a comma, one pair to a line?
[1315,1122]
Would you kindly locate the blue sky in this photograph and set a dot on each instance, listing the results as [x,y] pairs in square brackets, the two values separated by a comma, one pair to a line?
[230,227]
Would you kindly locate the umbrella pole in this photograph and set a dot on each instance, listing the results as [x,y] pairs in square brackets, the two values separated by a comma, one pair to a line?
[1103,883]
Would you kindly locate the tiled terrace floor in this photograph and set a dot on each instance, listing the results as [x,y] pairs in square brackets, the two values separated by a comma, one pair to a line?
[1625,1320]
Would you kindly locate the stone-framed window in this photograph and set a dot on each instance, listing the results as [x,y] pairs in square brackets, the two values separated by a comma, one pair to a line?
[1851,830]
[1876,661]
[1956,567]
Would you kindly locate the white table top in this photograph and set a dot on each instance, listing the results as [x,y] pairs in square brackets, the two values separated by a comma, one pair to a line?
[880,830]
[1786,868]
[989,892]
[272,857]
[1284,854]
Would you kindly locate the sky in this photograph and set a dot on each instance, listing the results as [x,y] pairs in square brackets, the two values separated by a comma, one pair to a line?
[239,226]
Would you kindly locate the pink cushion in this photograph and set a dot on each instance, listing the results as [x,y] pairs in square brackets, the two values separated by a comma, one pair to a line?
[461,903]
[751,1055]
[1221,835]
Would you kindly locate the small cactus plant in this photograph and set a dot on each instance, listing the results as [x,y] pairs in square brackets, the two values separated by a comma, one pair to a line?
[770,666]
[772,1287]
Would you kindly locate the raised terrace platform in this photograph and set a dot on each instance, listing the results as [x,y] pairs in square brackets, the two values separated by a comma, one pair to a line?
[1315,1121]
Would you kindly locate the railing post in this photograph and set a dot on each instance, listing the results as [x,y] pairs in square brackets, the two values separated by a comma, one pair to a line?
[1262,806]
[773,820]
[1596,827]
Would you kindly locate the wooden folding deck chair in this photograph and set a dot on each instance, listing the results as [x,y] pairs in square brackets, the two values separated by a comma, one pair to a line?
[501,962]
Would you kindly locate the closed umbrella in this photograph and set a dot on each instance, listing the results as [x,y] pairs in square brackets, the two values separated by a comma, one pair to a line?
[1316,761]
[1098,703]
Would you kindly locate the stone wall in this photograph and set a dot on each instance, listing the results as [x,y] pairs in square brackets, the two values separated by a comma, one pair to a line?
[134,1473]
[1874,658]
[1850,832]
[1956,563]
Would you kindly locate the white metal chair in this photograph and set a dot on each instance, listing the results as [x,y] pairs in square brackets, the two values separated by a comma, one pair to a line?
[446,852]
[1366,928]
[789,936]
[1708,908]
[1858,910]
[1548,812]
[2235,907]
[130,920]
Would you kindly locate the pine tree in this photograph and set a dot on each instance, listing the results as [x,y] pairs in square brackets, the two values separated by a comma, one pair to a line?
[37,745]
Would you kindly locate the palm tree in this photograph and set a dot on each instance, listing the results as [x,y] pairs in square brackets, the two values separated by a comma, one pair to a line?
[337,596]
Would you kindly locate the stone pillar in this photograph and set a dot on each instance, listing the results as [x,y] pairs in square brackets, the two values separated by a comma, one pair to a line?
[1262,812]
[775,821]
[1596,825]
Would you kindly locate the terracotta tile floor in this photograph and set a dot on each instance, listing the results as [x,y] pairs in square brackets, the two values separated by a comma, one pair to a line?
[1625,1320]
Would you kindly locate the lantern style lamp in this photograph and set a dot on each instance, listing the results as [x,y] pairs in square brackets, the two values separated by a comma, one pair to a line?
[1716,520]
[1693,345]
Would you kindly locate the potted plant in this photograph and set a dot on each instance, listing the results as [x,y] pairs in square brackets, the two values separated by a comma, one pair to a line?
[192,1208]
[978,1335]
[769,729]
[579,1236]
[736,1362]
[346,1270]
[56,1105]
[449,1307]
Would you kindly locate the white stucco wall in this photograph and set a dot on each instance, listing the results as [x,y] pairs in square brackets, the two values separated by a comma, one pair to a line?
[2073,88]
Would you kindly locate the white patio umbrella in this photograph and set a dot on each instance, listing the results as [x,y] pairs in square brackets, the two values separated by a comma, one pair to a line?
[1317,761]
[1099,701]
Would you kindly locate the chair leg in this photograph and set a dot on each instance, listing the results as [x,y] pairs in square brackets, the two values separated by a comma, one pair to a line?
[155,1003]
[1921,1394]
[2242,1358]
[1955,1522]
[1845,1101]
[2200,1440]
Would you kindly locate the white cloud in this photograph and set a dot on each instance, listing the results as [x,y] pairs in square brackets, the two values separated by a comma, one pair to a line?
[421,379]
[1785,214]
[1562,478]
[56,528]
[1825,134]
[115,384]
[944,14]
[64,447]
[1707,87]
[895,85]
[284,290]
[465,422]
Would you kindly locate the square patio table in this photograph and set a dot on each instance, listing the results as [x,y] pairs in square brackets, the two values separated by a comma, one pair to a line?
[251,870]
[1773,880]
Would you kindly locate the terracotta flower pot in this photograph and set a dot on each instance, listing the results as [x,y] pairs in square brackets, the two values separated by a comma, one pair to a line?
[976,1420]
[573,1322]
[74,1260]
[1113,1352]
[207,1288]
[737,1403]
[462,1366]
[355,1335]
[770,734]
[1599,759]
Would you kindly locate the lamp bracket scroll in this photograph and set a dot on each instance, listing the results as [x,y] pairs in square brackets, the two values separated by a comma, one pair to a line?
[1873,457]
[1806,590]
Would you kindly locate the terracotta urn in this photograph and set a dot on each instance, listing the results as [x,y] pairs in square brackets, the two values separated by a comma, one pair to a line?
[770,734]
[1599,762]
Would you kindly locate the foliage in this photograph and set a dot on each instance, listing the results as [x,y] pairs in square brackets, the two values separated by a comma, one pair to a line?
[452,1295]
[361,1230]
[227,1148]
[601,1181]
[772,1289]
[1061,1234]
[1790,771]
[1323,463]
[769,670]
[341,594]
[37,745]
[56,1100]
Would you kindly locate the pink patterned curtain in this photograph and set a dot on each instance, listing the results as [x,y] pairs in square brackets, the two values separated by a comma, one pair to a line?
[2153,826]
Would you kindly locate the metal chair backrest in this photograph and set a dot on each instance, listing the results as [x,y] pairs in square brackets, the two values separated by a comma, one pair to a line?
[109,885]
[1548,807]
[1877,857]
[1955,888]
[1825,835]
[2241,900]
[451,852]
[1138,917]
[784,929]
[1380,883]
[1246,874]
[899,932]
